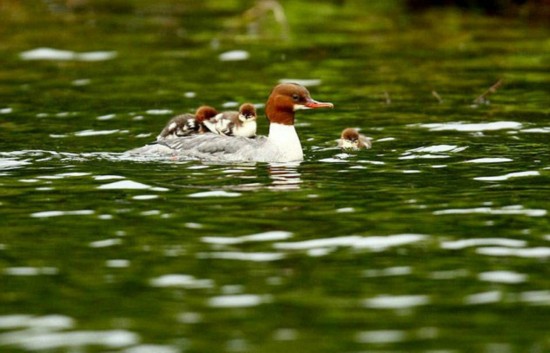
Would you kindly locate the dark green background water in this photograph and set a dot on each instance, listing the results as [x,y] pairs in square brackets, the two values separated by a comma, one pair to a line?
[435,240]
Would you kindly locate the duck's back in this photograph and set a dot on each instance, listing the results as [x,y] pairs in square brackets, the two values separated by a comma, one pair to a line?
[213,147]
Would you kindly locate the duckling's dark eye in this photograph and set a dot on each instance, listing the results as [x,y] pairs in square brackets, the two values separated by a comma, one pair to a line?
[295,97]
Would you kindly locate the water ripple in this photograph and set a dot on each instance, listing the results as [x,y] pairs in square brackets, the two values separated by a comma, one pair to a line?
[472,127]
[238,301]
[539,252]
[64,55]
[375,243]
[381,336]
[59,322]
[507,210]
[129,184]
[538,297]
[215,193]
[266,236]
[181,281]
[12,163]
[465,243]
[242,256]
[86,133]
[489,160]
[483,298]
[509,176]
[38,340]
[47,214]
[151,348]
[396,301]
[508,277]
[30,271]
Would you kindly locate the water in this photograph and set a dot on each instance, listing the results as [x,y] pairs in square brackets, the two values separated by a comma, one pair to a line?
[435,240]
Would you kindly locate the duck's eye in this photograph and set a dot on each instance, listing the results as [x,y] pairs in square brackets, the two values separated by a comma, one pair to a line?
[295,97]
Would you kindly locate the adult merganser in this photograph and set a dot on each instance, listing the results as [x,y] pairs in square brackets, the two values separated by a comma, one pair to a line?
[187,124]
[241,123]
[281,145]
[350,139]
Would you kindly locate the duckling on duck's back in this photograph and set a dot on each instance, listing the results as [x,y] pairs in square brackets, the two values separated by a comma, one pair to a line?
[233,123]
[187,124]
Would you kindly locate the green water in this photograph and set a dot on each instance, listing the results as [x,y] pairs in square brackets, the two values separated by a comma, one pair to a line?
[435,240]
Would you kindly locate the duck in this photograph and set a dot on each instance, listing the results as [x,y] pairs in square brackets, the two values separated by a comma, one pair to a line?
[281,145]
[350,139]
[234,123]
[187,124]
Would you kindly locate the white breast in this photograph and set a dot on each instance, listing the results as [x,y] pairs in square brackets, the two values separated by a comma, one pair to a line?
[247,129]
[285,139]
